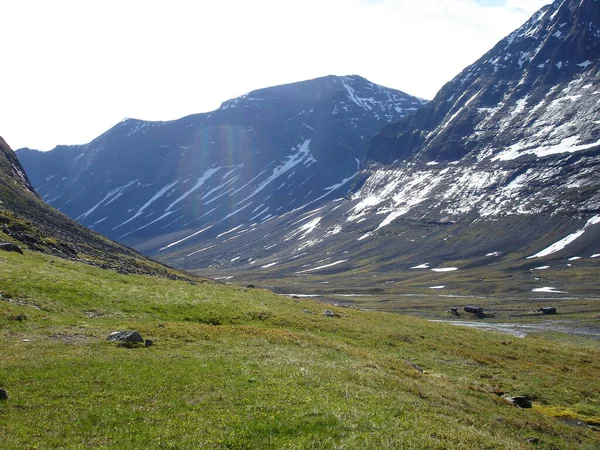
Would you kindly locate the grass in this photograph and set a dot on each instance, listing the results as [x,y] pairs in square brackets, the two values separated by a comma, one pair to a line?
[244,368]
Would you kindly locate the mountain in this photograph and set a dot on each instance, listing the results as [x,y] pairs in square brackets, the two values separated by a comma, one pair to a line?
[28,222]
[494,182]
[258,156]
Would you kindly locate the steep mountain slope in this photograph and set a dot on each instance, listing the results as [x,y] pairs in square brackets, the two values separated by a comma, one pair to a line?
[26,220]
[494,179]
[519,130]
[256,157]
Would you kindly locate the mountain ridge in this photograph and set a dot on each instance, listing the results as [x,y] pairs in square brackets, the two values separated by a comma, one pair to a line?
[494,178]
[250,160]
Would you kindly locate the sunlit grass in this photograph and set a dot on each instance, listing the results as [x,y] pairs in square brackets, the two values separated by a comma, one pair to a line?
[244,368]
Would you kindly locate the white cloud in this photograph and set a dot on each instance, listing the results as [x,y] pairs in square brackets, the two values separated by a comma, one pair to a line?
[72,69]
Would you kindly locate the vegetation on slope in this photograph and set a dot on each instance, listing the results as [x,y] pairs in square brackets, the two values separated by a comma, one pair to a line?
[25,219]
[245,368]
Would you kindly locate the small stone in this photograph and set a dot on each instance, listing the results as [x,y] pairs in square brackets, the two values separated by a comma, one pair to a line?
[250,286]
[330,314]
[3,394]
[414,366]
[498,391]
[533,440]
[148,343]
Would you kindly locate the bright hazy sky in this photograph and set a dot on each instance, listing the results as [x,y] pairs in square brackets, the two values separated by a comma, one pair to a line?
[73,69]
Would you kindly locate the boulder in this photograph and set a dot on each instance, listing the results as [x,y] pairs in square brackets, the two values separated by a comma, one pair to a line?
[520,401]
[331,314]
[3,394]
[10,247]
[126,337]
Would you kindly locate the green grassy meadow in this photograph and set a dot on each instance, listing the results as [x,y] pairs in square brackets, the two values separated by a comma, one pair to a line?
[242,368]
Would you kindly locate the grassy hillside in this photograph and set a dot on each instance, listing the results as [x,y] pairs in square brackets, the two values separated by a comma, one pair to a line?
[245,368]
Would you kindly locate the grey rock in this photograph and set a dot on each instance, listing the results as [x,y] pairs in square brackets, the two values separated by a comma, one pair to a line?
[125,336]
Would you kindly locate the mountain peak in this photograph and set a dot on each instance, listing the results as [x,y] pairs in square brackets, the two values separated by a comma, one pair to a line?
[513,127]
[248,161]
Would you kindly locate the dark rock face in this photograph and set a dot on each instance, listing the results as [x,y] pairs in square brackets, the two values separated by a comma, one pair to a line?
[258,156]
[10,247]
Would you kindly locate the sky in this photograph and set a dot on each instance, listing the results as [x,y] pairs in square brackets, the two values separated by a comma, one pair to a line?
[73,69]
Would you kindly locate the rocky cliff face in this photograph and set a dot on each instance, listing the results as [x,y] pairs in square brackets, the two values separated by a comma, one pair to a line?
[256,157]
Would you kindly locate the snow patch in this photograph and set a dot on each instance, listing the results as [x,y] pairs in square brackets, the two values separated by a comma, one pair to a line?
[155,197]
[566,145]
[199,183]
[557,246]
[266,266]
[230,231]
[185,238]
[109,198]
[548,289]
[201,250]
[445,269]
[323,267]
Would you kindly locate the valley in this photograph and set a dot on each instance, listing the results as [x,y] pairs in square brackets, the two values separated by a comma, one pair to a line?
[323,264]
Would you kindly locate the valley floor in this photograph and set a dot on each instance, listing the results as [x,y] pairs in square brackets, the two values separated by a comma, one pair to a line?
[237,367]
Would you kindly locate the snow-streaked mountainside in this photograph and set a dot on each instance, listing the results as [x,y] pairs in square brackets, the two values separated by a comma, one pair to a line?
[501,170]
[25,220]
[518,132]
[258,156]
